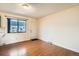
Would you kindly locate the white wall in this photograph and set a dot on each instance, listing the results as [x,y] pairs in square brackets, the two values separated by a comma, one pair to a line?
[17,37]
[33,28]
[61,28]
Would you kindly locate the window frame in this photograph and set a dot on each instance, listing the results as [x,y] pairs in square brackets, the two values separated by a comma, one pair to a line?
[18,20]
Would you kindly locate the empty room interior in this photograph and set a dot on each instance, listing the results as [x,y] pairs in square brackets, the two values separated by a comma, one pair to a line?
[39,29]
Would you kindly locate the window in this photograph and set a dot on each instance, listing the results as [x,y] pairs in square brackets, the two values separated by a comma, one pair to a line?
[22,26]
[16,25]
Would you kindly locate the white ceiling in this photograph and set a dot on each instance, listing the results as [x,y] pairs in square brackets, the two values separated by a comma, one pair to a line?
[37,9]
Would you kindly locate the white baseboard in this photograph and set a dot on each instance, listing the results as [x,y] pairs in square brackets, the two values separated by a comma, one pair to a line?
[75,50]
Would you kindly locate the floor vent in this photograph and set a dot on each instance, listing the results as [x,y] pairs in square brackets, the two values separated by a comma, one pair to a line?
[34,39]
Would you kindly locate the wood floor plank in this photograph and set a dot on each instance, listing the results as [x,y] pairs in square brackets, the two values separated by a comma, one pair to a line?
[35,48]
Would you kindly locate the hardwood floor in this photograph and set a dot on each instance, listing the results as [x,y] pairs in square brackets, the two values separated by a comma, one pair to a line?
[34,48]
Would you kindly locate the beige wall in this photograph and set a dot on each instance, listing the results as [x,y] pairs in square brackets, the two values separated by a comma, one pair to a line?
[17,37]
[61,28]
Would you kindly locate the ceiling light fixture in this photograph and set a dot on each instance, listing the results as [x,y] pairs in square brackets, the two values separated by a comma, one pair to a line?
[26,6]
